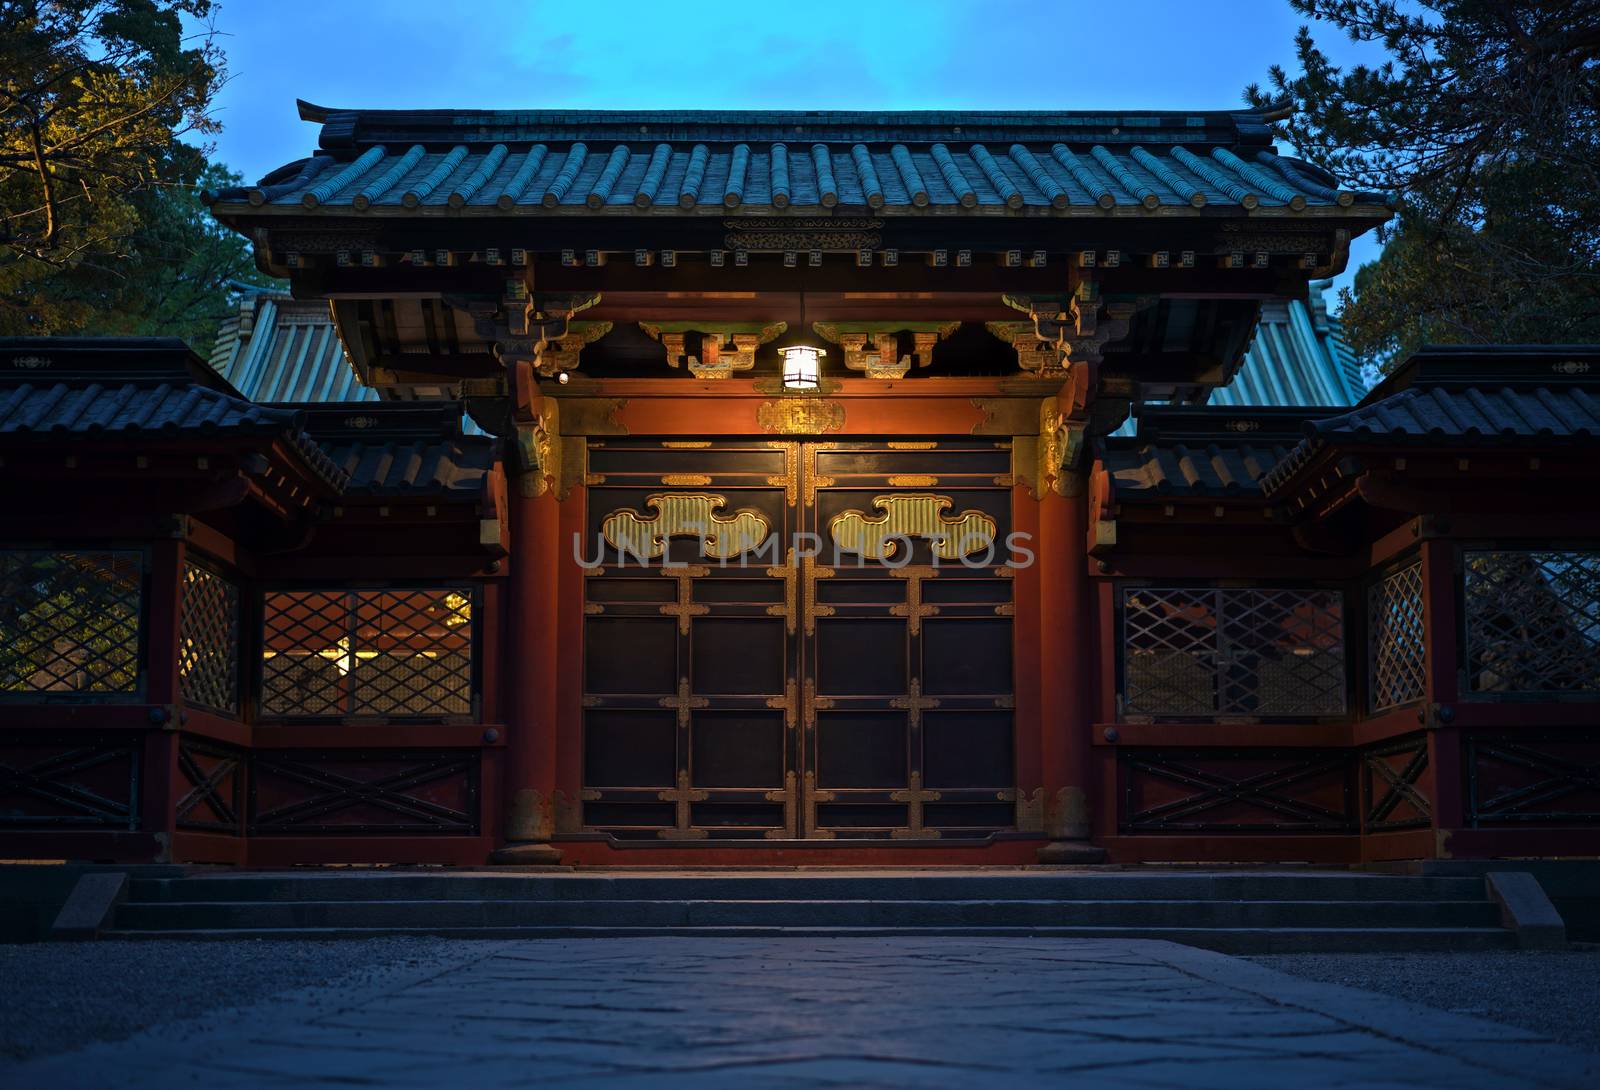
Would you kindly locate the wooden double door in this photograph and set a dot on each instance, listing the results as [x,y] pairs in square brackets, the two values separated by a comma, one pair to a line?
[798,639]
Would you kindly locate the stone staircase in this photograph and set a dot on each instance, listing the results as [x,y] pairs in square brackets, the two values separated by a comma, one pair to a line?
[1230,911]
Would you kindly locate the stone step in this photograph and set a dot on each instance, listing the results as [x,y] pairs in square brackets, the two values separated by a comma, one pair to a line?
[1224,940]
[1313,886]
[181,916]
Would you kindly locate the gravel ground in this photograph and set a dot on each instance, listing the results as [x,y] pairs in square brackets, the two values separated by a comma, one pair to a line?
[1555,992]
[60,996]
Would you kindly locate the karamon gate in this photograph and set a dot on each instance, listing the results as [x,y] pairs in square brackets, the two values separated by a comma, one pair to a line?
[617,569]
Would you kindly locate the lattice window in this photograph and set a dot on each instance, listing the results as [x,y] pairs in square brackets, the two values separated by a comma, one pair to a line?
[208,640]
[1533,622]
[337,653]
[1207,652]
[1395,638]
[70,622]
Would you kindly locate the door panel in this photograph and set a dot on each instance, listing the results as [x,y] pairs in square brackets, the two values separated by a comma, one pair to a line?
[735,688]
[688,623]
[907,664]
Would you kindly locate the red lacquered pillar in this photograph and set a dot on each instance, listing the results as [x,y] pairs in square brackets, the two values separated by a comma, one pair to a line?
[529,672]
[1066,609]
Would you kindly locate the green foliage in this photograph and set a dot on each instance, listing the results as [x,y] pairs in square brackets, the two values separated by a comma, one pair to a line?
[1484,121]
[101,228]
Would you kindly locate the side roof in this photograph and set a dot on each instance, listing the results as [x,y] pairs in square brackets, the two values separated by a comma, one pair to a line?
[1297,356]
[278,348]
[1202,451]
[400,448]
[1451,397]
[85,388]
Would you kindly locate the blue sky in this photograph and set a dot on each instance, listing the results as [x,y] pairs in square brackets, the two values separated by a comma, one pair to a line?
[1070,54]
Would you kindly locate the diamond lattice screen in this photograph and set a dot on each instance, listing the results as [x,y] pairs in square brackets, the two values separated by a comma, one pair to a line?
[335,653]
[1394,624]
[69,621]
[208,640]
[1210,652]
[1533,622]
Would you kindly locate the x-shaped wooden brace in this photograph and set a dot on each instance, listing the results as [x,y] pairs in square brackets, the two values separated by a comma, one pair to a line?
[1213,790]
[1401,785]
[342,792]
[1561,778]
[205,788]
[43,780]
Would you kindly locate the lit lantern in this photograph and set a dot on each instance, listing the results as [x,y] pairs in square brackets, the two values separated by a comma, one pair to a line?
[802,367]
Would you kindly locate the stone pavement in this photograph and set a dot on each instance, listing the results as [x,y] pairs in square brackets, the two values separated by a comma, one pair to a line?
[779,1013]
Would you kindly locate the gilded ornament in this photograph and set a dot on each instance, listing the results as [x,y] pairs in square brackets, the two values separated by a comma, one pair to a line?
[800,416]
[684,608]
[913,608]
[685,514]
[790,573]
[812,609]
[788,796]
[790,481]
[683,795]
[907,515]
[916,798]
[813,796]
[814,480]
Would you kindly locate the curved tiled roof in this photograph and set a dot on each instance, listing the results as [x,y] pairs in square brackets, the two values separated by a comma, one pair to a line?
[628,162]
[451,467]
[90,409]
[1176,469]
[1202,451]
[1474,413]
[1451,398]
[403,448]
[87,388]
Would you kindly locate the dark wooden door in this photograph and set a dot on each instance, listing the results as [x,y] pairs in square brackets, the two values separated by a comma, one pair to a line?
[797,640]
[907,688]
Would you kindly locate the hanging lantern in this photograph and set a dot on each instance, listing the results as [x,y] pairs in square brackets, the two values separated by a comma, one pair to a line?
[802,367]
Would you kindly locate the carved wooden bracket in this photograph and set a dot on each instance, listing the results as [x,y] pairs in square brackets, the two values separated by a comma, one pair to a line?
[537,330]
[561,353]
[1077,327]
[873,348]
[724,348]
[1033,355]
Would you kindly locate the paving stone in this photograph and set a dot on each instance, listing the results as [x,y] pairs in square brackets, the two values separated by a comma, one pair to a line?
[914,1011]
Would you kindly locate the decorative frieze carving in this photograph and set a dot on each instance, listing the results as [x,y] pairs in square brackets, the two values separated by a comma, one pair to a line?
[873,348]
[800,416]
[724,348]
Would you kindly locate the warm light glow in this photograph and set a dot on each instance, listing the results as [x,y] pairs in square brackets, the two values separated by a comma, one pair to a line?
[802,369]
